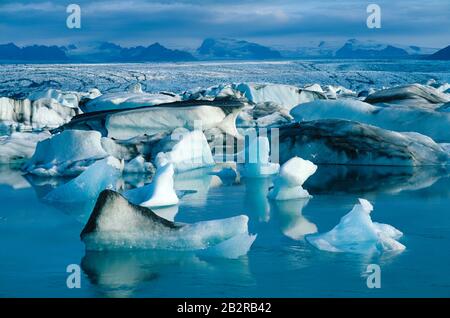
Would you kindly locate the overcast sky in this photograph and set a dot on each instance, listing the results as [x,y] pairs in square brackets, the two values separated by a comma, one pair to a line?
[185,23]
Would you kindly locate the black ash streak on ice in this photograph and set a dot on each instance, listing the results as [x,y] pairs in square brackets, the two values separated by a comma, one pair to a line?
[18,81]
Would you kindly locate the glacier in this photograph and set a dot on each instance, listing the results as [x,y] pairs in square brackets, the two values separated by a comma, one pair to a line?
[357,233]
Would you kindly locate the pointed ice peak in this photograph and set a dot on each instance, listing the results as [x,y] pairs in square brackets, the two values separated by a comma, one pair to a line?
[366,205]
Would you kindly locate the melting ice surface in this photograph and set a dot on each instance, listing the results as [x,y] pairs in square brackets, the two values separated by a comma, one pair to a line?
[358,234]
[101,175]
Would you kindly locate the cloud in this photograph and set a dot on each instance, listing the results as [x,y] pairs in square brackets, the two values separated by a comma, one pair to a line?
[187,22]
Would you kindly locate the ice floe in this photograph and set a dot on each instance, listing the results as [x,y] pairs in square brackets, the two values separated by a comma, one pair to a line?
[288,184]
[101,175]
[357,233]
[116,223]
[159,193]
[67,153]
[335,141]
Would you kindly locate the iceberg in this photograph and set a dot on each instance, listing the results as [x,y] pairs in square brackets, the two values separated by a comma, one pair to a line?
[139,165]
[19,146]
[257,156]
[185,150]
[101,175]
[41,110]
[426,121]
[159,193]
[414,94]
[288,184]
[124,124]
[335,141]
[286,96]
[116,223]
[134,98]
[356,233]
[67,153]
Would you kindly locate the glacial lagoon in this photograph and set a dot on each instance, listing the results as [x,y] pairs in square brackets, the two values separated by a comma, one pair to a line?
[40,240]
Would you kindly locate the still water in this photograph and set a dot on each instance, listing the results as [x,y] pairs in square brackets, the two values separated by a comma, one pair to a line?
[38,241]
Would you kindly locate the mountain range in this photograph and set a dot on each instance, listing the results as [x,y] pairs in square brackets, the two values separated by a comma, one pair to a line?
[214,49]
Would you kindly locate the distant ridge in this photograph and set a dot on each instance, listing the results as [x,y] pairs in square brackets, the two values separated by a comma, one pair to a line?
[103,52]
[12,52]
[235,49]
[443,54]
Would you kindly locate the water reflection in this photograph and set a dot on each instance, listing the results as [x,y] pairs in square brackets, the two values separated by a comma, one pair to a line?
[123,273]
[373,179]
[256,202]
[291,221]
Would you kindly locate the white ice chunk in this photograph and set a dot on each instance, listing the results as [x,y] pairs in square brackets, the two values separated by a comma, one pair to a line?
[125,100]
[358,234]
[289,182]
[102,175]
[285,95]
[159,193]
[185,150]
[67,153]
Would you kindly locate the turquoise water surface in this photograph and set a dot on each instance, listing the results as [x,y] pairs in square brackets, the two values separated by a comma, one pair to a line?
[38,241]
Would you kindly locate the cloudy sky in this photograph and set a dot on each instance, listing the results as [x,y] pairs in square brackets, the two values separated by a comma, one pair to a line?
[184,23]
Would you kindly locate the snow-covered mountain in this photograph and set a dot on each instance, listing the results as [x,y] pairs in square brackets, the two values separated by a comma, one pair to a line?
[355,49]
[235,49]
